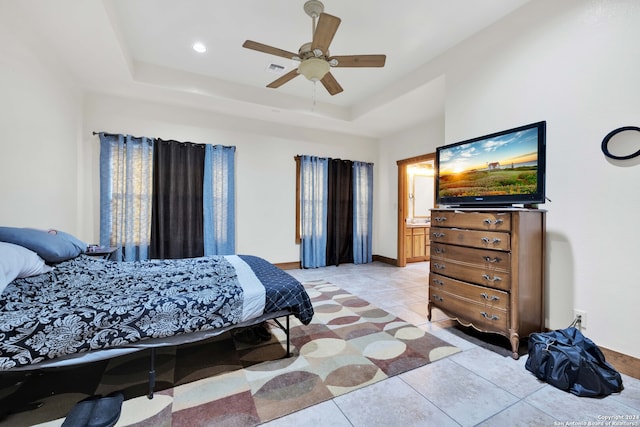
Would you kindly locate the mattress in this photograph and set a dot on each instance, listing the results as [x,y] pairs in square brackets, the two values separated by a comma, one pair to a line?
[92,306]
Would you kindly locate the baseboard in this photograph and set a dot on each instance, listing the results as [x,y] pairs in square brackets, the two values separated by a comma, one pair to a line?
[296,264]
[288,265]
[623,363]
[385,259]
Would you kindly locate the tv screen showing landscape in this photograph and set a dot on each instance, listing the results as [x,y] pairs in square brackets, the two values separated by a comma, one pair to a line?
[502,168]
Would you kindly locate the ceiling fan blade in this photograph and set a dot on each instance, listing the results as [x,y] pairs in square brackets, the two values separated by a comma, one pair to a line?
[360,60]
[326,29]
[283,79]
[249,44]
[331,84]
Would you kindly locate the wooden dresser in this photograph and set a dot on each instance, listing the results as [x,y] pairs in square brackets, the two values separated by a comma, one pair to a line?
[487,269]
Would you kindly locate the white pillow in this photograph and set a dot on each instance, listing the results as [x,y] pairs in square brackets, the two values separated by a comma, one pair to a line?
[3,280]
[18,262]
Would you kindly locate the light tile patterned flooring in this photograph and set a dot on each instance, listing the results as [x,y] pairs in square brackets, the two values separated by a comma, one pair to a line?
[476,387]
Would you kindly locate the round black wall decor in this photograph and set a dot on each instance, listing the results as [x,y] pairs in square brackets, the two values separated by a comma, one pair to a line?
[605,143]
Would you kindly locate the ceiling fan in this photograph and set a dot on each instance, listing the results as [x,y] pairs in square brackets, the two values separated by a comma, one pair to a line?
[314,57]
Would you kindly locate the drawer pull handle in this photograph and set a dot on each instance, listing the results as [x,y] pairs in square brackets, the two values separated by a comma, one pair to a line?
[488,240]
[491,260]
[438,250]
[492,298]
[440,218]
[439,266]
[438,298]
[438,282]
[495,221]
[438,234]
[492,317]
[491,279]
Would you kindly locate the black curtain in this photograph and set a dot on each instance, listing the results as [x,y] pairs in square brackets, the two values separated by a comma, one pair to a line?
[340,212]
[176,213]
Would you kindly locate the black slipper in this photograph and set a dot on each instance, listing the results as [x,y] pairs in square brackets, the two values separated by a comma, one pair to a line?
[95,411]
[263,331]
[246,336]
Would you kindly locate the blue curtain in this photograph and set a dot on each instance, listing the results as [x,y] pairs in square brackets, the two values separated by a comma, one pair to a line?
[219,200]
[126,171]
[362,212]
[313,211]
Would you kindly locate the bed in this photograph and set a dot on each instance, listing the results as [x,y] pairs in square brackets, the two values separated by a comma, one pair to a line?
[84,309]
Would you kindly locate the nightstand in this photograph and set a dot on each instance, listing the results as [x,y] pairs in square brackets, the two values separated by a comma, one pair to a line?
[104,252]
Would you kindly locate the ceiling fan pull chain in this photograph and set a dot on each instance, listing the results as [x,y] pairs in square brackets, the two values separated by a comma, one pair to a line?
[313,106]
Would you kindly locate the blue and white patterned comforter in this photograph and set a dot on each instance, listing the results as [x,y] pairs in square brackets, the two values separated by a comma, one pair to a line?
[86,304]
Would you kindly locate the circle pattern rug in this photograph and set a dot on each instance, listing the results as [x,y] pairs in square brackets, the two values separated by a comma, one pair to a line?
[349,344]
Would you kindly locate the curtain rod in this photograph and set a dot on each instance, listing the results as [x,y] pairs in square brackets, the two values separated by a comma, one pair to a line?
[299,156]
[179,142]
[116,134]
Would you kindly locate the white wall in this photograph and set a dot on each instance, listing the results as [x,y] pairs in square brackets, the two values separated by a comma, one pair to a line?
[265,166]
[40,120]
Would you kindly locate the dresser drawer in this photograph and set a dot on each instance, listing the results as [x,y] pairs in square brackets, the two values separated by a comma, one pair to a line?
[479,294]
[498,279]
[480,315]
[490,259]
[498,221]
[472,238]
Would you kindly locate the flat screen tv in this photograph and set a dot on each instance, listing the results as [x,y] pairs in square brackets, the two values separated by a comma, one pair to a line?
[501,169]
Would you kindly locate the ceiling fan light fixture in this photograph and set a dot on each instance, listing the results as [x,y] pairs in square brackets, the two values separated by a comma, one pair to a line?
[314,69]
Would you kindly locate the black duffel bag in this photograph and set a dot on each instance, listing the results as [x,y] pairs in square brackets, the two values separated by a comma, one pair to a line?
[571,362]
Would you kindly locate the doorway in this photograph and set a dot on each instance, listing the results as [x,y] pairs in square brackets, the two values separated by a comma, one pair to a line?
[416,196]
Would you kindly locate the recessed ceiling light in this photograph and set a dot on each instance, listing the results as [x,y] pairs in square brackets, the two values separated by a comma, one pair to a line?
[199,47]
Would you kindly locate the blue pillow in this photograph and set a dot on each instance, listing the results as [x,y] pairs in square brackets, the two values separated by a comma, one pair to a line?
[50,247]
[74,240]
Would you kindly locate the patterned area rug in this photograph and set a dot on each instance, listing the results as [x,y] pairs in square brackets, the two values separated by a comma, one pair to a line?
[222,382]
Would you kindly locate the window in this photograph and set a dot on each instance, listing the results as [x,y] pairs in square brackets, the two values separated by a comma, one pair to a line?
[334,207]
[127,167]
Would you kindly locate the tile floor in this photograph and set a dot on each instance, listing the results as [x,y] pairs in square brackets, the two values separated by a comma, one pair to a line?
[476,387]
